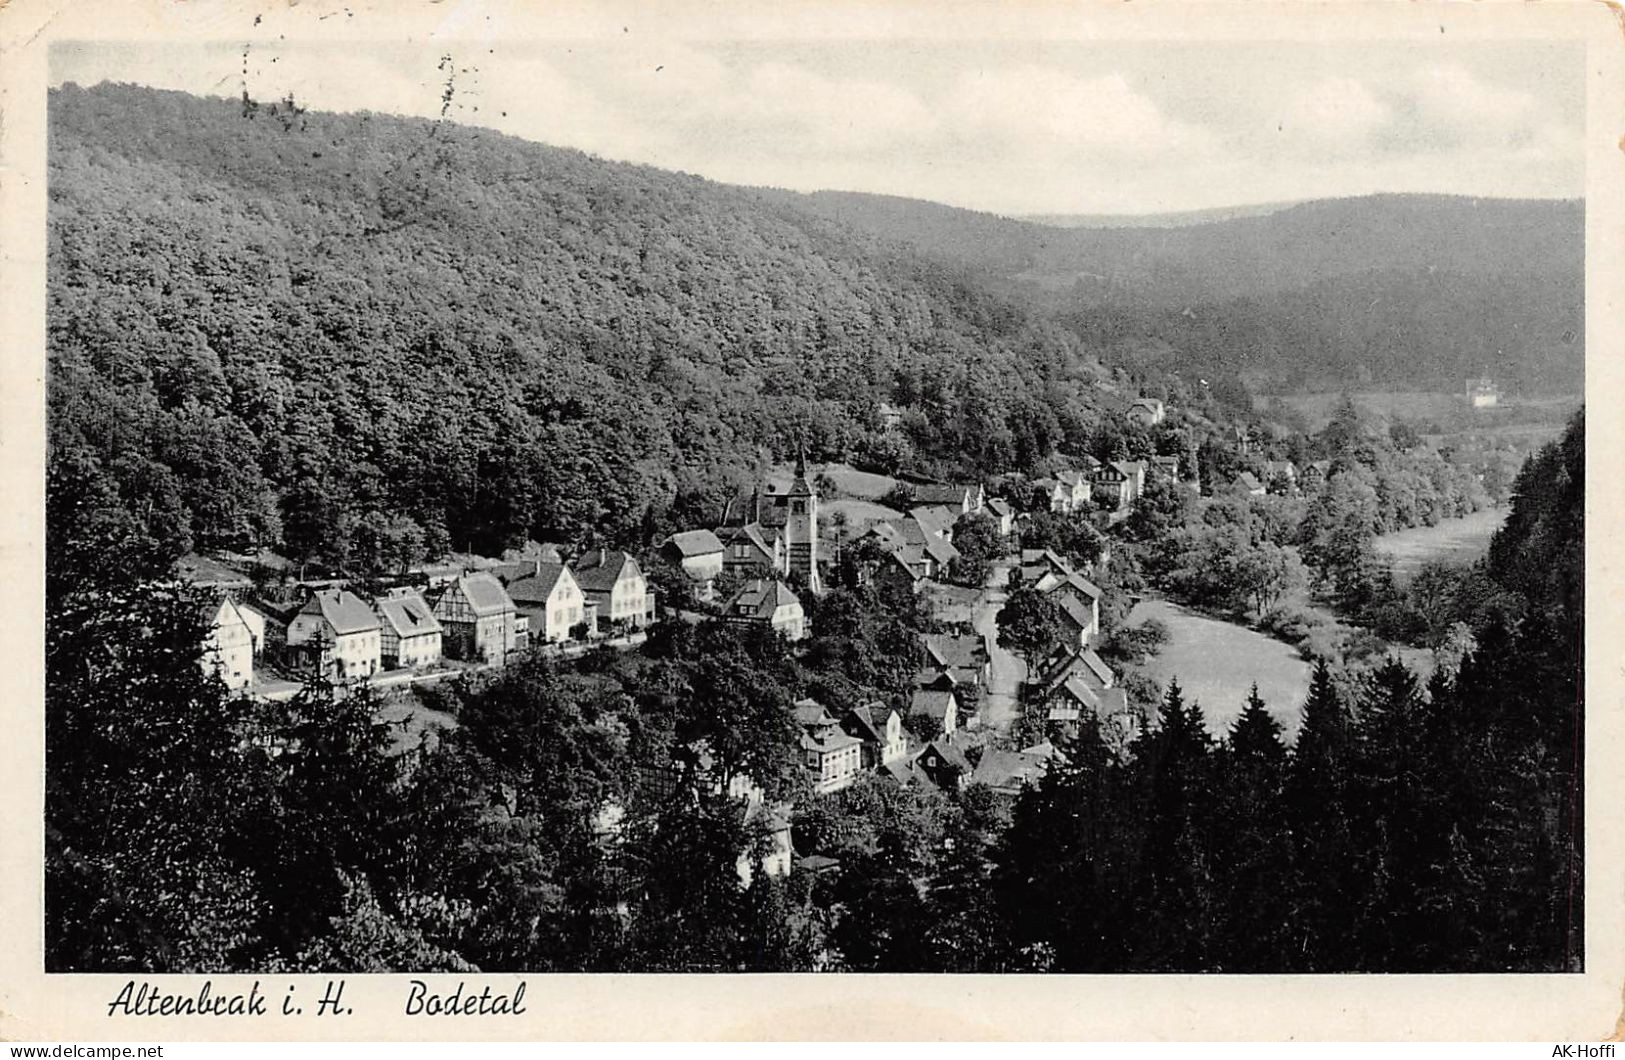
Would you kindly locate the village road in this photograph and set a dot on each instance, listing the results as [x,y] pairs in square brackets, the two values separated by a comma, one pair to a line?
[998,707]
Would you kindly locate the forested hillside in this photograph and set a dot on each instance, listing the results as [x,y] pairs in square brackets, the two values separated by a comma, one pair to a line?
[1387,290]
[355,334]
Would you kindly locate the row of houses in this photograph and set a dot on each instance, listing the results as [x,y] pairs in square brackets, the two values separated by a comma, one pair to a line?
[480,616]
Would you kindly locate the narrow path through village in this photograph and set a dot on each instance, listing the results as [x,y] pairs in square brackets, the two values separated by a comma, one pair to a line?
[1006,672]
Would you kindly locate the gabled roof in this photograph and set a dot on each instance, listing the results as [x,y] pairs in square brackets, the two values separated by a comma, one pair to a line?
[957,649]
[810,712]
[407,614]
[484,593]
[889,534]
[754,533]
[1096,666]
[898,770]
[947,753]
[1008,769]
[1081,663]
[1000,506]
[1077,611]
[695,543]
[941,493]
[598,571]
[1079,584]
[932,701]
[220,611]
[934,519]
[940,550]
[342,609]
[1045,750]
[1150,403]
[537,587]
[935,677]
[861,722]
[761,597]
[1248,480]
[828,741]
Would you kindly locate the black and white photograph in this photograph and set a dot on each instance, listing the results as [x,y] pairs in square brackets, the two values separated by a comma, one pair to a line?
[616,501]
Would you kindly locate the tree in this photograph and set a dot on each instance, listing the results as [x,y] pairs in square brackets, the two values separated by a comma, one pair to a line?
[979,542]
[1317,785]
[1030,623]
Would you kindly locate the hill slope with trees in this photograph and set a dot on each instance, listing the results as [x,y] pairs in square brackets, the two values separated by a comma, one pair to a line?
[370,338]
[1385,290]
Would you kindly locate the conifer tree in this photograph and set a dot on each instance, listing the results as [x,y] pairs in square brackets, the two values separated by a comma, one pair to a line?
[1317,813]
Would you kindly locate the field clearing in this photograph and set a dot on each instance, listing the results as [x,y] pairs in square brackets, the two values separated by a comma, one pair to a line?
[859,514]
[1409,405]
[1217,662]
[1458,542]
[1535,415]
[849,482]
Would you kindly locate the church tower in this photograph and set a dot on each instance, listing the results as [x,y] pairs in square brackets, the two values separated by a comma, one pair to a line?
[801,526]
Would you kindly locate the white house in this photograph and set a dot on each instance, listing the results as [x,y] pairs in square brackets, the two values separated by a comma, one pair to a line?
[550,597]
[337,635]
[409,632]
[229,644]
[1147,412]
[700,554]
[613,580]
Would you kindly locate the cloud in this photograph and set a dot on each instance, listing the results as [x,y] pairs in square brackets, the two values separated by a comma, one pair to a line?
[1335,112]
[1046,107]
[1453,97]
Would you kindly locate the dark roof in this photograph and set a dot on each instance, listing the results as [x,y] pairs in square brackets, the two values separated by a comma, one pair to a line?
[407,614]
[950,755]
[751,532]
[898,770]
[861,723]
[1082,585]
[1000,506]
[1005,769]
[695,542]
[342,609]
[598,571]
[1077,611]
[537,586]
[941,493]
[761,596]
[932,701]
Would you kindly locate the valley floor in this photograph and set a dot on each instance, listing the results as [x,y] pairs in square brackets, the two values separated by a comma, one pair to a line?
[1216,663]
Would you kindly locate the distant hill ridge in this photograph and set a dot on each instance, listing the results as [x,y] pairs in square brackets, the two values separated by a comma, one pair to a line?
[1478,283]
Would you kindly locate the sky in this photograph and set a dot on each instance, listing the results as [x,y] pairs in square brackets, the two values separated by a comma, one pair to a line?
[1017,127]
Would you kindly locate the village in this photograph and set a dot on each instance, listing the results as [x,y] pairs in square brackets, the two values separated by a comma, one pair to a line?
[972,694]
